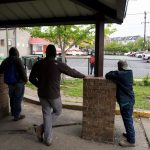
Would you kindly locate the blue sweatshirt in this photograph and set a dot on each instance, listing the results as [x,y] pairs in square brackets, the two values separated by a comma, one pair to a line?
[124,81]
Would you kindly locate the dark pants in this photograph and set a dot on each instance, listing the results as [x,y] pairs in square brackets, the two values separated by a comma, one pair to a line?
[126,113]
[92,67]
[16,93]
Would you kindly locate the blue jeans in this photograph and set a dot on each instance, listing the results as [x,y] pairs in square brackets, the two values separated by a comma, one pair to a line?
[126,113]
[92,67]
[16,93]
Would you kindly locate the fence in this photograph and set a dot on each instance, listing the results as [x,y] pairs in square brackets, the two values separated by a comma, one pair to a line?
[140,67]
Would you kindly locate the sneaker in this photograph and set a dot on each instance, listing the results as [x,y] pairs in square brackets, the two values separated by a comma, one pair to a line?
[124,135]
[19,118]
[125,143]
[39,133]
[47,143]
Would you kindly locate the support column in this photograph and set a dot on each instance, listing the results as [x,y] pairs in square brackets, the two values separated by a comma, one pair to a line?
[99,48]
[4,98]
[99,101]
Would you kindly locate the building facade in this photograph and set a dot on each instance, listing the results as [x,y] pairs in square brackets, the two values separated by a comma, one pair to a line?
[14,37]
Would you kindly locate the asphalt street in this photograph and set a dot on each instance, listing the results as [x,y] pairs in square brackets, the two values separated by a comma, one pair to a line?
[140,67]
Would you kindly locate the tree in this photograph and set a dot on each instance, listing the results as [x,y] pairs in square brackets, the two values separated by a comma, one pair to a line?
[109,29]
[116,47]
[66,36]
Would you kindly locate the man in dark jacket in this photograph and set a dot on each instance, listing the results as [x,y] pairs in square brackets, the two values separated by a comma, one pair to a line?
[15,77]
[125,97]
[46,75]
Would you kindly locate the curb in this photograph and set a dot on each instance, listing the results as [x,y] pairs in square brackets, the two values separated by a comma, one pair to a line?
[136,113]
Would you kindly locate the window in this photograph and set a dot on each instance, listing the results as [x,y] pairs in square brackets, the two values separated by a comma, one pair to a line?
[37,48]
[9,42]
[2,43]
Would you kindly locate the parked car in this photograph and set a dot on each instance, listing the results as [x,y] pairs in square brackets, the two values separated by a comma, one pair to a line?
[127,54]
[75,52]
[139,54]
[146,56]
[132,54]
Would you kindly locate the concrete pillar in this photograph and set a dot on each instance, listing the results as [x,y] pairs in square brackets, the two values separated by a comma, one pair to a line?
[4,98]
[99,101]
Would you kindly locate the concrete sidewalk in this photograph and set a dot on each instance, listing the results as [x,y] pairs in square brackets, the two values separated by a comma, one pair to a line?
[67,132]
[75,103]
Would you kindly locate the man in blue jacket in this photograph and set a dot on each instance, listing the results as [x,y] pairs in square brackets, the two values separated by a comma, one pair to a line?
[15,77]
[125,98]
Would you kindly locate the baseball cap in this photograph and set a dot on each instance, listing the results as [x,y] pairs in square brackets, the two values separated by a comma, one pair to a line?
[123,64]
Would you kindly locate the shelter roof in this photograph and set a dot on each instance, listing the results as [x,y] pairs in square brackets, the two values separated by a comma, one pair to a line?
[57,12]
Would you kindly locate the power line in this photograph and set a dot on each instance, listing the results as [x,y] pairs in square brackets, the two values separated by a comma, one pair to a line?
[139,13]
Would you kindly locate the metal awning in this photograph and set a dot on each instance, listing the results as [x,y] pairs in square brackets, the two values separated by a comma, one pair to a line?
[15,13]
[38,41]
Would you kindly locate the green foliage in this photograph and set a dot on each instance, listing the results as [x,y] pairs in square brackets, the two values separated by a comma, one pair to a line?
[30,85]
[65,36]
[114,46]
[141,97]
[109,29]
[75,88]
[138,44]
[146,81]
[142,82]
[72,88]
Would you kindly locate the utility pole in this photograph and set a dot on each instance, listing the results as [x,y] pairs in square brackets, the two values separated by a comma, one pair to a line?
[7,41]
[144,42]
[144,29]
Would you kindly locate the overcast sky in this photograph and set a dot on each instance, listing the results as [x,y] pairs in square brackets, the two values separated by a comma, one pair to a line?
[133,23]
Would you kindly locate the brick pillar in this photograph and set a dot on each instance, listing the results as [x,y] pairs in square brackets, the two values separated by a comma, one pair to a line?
[99,101]
[4,98]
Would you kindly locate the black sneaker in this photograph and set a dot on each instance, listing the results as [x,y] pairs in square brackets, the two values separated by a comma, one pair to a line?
[39,133]
[124,135]
[19,118]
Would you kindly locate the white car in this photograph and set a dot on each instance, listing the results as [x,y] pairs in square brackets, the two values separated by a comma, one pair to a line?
[139,55]
[74,52]
[127,54]
[146,56]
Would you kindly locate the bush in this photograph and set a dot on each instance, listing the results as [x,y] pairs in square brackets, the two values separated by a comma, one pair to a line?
[146,81]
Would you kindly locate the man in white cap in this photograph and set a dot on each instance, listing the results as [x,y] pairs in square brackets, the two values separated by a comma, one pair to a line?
[123,77]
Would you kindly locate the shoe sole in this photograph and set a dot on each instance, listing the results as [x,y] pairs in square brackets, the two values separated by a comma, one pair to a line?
[38,133]
[20,118]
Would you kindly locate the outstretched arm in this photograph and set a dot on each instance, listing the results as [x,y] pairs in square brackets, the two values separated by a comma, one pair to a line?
[70,71]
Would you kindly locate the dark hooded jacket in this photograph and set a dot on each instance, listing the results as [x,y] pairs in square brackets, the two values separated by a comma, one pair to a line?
[46,75]
[124,81]
[14,58]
